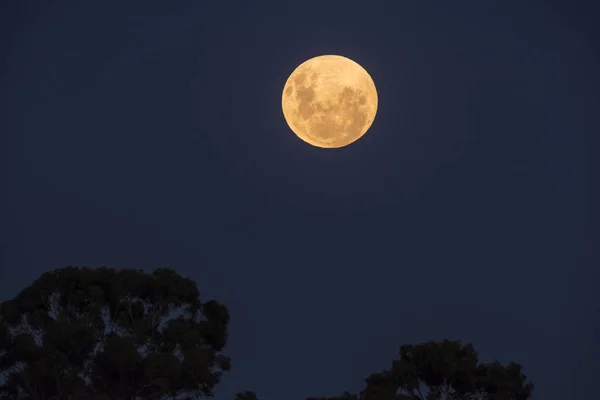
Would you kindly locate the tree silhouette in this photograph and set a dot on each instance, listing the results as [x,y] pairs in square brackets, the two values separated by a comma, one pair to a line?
[105,334]
[444,370]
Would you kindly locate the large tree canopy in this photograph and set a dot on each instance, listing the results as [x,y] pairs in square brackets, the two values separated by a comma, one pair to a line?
[111,334]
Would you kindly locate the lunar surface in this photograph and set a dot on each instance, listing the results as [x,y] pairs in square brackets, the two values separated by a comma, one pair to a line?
[329,101]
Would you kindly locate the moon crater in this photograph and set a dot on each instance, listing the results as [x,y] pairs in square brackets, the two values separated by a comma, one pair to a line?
[329,101]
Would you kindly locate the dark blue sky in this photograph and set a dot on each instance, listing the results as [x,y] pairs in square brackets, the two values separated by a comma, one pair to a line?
[145,134]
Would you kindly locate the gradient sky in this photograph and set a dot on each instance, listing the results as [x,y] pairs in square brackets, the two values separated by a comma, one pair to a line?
[144,134]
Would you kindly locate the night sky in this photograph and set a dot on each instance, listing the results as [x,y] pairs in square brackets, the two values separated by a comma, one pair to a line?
[145,134]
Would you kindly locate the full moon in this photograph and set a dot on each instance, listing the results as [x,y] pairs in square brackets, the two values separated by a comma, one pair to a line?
[329,101]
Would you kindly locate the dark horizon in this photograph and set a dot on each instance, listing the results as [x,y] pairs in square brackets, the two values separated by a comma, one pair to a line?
[150,134]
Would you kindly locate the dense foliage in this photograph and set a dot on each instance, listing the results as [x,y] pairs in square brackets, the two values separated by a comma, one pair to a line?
[79,333]
[444,370]
[108,334]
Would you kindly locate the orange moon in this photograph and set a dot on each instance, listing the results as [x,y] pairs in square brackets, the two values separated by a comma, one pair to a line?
[329,101]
